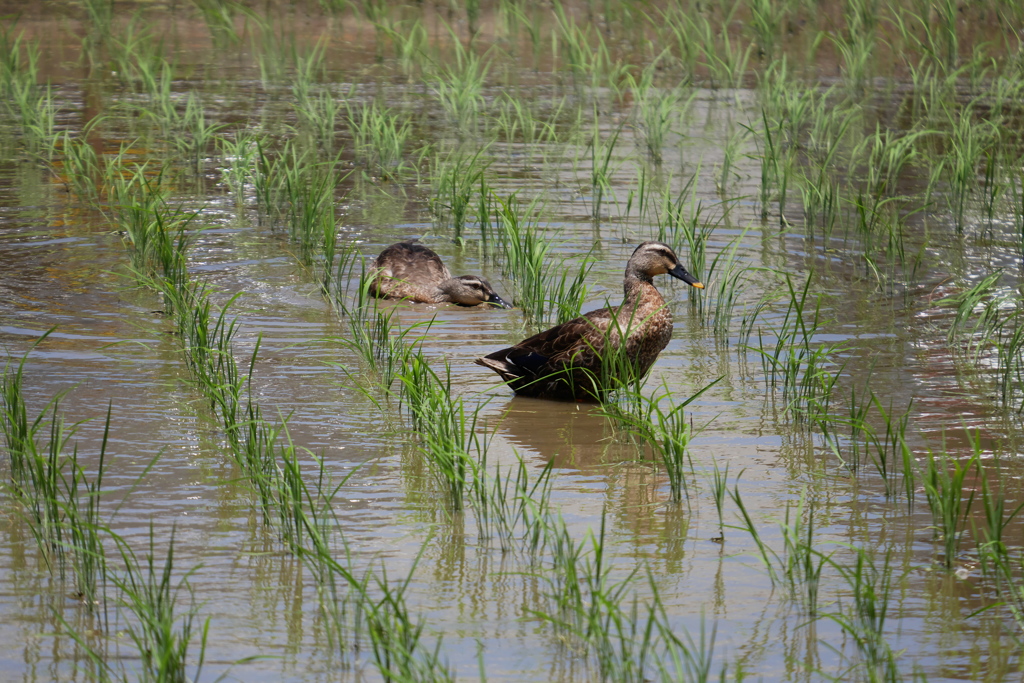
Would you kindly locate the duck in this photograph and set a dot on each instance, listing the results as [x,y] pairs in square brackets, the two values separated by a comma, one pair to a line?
[411,271]
[571,361]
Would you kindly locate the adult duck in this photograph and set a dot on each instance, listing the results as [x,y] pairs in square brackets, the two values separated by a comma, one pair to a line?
[413,272]
[579,359]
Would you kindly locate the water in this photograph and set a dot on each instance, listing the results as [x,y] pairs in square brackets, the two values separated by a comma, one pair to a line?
[168,468]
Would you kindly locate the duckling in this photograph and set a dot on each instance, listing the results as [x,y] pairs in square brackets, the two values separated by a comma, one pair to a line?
[411,271]
[568,361]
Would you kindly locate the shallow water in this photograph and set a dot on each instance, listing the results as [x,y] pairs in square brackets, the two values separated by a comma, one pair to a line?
[64,268]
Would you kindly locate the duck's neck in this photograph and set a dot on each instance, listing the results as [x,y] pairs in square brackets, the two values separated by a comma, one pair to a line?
[443,290]
[640,291]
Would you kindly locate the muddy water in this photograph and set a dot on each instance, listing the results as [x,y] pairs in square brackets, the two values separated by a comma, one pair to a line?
[63,268]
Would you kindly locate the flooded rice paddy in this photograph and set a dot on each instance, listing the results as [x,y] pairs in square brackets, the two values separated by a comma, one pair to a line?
[281,490]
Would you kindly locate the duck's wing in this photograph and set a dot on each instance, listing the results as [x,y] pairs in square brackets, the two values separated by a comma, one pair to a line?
[552,349]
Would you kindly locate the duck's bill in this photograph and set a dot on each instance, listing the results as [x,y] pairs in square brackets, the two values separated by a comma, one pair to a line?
[680,273]
[498,301]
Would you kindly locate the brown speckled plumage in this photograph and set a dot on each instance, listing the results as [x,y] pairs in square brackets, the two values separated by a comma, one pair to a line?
[413,272]
[566,361]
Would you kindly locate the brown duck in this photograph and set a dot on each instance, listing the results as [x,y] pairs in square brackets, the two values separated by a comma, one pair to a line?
[411,271]
[568,362]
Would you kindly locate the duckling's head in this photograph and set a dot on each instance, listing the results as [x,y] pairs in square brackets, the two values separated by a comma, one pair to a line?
[470,290]
[656,258]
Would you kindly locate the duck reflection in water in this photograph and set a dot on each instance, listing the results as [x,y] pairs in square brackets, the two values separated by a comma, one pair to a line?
[574,435]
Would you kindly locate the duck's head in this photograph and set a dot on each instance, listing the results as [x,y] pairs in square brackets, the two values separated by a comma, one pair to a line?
[470,290]
[656,258]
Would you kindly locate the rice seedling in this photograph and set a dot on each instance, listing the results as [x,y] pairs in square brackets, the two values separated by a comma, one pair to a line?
[801,564]
[686,659]
[220,18]
[1016,186]
[1010,363]
[308,191]
[943,481]
[681,226]
[601,169]
[269,176]
[100,19]
[719,488]
[207,346]
[459,88]
[998,559]
[518,122]
[891,448]
[151,604]
[19,433]
[317,116]
[380,138]
[805,369]
[857,49]
[657,110]
[994,339]
[572,45]
[967,303]
[305,519]
[376,12]
[294,189]
[308,68]
[158,84]
[683,31]
[137,54]
[725,277]
[82,166]
[409,44]
[666,431]
[32,106]
[993,551]
[156,235]
[453,179]
[19,62]
[766,21]
[747,524]
[733,144]
[84,526]
[947,14]
[969,141]
[273,46]
[383,350]
[193,133]
[446,428]
[57,498]
[776,165]
[870,591]
[239,151]
[37,480]
[993,185]
[375,607]
[505,505]
[1007,569]
[514,17]
[585,607]
[397,639]
[543,296]
[877,202]
[725,61]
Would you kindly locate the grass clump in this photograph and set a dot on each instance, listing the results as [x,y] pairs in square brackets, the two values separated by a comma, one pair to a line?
[544,294]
